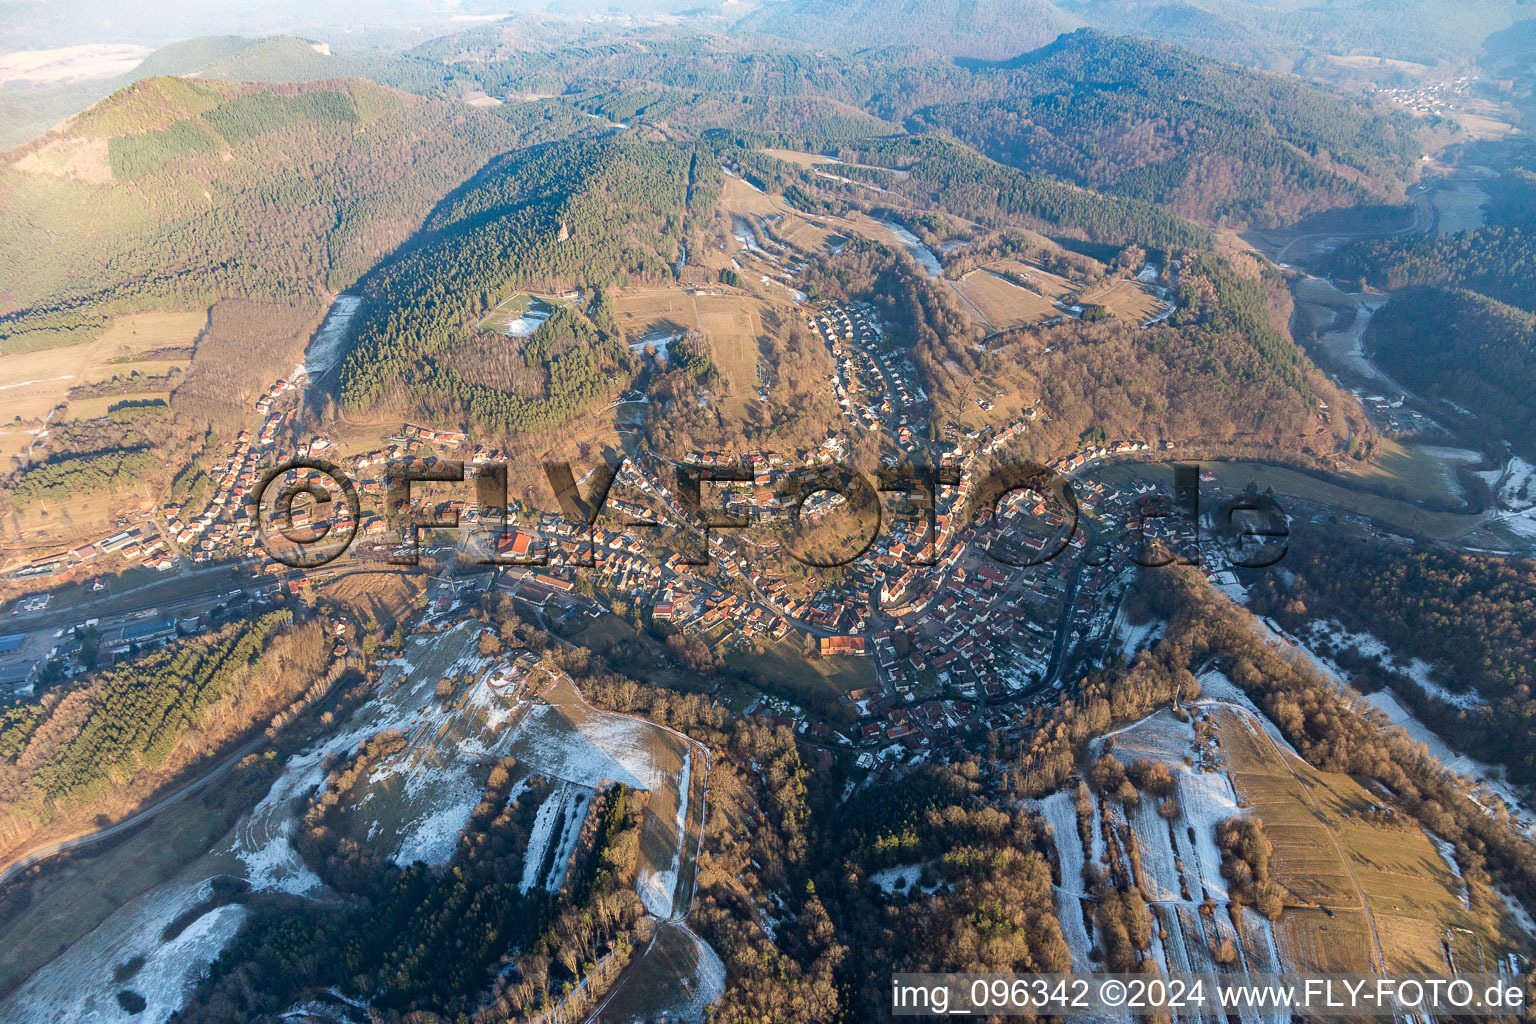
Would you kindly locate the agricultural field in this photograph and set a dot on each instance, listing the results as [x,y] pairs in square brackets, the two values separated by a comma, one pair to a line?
[1357,890]
[804,234]
[741,197]
[1043,281]
[642,310]
[1124,298]
[1002,303]
[730,322]
[800,159]
[732,325]
[34,383]
[1420,472]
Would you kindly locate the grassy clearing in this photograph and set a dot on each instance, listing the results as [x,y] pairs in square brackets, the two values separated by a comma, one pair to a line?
[1124,298]
[383,597]
[1422,472]
[783,667]
[43,528]
[1003,303]
[125,371]
[1395,514]
[500,319]
[1043,281]
[731,323]
[32,383]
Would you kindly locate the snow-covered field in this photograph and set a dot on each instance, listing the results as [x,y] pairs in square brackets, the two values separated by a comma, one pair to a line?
[327,344]
[1061,815]
[78,986]
[901,878]
[1180,863]
[1134,638]
[416,803]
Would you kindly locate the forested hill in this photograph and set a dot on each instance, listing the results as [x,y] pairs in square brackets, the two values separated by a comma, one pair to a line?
[1258,33]
[1497,261]
[548,219]
[1151,121]
[971,28]
[28,113]
[198,190]
[1465,347]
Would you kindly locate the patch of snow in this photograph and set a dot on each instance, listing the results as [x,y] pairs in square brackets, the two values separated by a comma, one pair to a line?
[78,985]
[1134,638]
[915,246]
[1060,813]
[906,874]
[1448,854]
[575,815]
[538,838]
[327,344]
[432,839]
[656,891]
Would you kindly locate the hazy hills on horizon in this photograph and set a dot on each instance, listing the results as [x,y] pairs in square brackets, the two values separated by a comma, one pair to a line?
[1269,37]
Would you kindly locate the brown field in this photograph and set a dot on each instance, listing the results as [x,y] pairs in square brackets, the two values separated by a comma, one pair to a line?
[1124,298]
[642,308]
[804,234]
[1322,855]
[740,197]
[1310,940]
[382,597]
[12,444]
[798,158]
[1002,303]
[732,325]
[731,322]
[32,383]
[1042,281]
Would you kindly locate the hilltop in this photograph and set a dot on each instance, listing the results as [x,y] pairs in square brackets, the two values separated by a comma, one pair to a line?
[1213,142]
[203,190]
